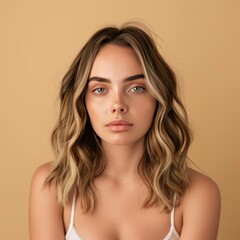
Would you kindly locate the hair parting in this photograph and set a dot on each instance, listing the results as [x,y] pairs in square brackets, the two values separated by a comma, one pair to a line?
[77,148]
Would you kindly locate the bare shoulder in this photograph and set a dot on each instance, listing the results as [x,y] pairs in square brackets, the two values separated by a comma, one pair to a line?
[203,191]
[202,187]
[45,213]
[38,185]
[201,208]
[41,174]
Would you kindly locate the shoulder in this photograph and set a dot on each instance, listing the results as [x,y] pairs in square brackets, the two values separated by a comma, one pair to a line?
[38,184]
[201,207]
[45,213]
[201,187]
[40,174]
[203,194]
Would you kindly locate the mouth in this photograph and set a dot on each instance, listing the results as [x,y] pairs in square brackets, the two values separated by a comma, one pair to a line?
[119,125]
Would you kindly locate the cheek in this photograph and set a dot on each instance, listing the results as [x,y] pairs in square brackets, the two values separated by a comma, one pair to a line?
[144,111]
[93,115]
[146,107]
[149,113]
[96,109]
[90,107]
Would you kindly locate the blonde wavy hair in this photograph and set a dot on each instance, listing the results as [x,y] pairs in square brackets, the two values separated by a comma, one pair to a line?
[77,148]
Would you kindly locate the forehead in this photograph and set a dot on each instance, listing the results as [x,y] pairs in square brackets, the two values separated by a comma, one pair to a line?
[117,60]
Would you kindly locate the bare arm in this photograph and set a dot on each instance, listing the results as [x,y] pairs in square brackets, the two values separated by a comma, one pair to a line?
[201,209]
[45,214]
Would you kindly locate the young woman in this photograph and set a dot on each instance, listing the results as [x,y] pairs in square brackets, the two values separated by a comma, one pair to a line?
[121,143]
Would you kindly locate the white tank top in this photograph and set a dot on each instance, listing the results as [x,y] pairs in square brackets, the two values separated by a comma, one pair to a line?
[72,233]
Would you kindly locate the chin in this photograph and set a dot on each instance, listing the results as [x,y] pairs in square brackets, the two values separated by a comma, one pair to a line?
[122,141]
[118,142]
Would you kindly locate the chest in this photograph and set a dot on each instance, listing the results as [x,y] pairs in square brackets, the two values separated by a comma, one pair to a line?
[120,215]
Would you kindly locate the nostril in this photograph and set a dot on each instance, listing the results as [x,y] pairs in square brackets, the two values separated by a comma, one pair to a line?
[118,109]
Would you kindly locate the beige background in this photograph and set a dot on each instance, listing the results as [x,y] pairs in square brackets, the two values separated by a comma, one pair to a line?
[39,39]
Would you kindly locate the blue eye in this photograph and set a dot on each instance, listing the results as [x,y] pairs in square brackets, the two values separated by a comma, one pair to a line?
[99,90]
[137,89]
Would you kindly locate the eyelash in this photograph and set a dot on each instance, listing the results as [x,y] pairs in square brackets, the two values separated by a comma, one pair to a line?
[96,90]
[142,89]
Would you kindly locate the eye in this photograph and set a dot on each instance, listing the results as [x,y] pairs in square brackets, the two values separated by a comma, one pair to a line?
[99,90]
[137,89]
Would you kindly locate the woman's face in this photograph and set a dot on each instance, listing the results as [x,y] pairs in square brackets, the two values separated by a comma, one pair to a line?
[119,106]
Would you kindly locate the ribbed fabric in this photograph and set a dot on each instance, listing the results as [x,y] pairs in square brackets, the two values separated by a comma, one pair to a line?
[72,233]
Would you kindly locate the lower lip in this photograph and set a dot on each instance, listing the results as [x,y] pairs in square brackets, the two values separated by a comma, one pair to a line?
[119,127]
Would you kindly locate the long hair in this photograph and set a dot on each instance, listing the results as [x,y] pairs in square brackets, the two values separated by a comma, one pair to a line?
[77,148]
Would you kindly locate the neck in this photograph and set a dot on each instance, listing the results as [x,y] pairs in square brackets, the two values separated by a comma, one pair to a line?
[122,161]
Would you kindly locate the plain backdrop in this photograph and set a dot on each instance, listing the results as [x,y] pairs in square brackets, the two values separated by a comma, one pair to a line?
[38,41]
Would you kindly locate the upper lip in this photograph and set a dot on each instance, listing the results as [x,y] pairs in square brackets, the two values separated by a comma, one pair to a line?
[119,122]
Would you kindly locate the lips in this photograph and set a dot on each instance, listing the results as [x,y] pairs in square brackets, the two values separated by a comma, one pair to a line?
[118,122]
[119,125]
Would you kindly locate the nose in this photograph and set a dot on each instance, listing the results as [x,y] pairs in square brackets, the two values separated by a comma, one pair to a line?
[119,106]
[119,109]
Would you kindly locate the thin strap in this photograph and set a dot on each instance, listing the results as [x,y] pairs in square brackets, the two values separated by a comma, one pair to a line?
[72,217]
[172,217]
[73,211]
[173,212]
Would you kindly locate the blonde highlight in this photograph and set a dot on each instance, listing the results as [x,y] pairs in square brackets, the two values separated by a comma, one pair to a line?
[77,148]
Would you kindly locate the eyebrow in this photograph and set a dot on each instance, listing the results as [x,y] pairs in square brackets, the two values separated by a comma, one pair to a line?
[128,79]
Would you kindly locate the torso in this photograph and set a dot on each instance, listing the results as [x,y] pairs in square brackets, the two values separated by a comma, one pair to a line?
[119,215]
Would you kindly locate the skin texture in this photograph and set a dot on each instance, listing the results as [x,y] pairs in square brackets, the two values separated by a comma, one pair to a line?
[120,191]
[112,96]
